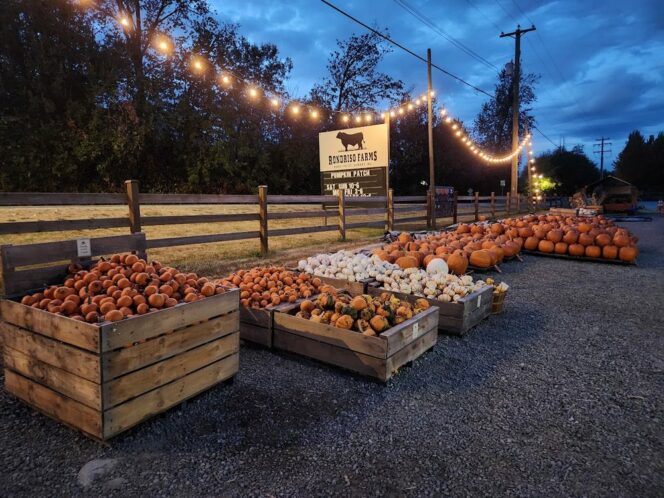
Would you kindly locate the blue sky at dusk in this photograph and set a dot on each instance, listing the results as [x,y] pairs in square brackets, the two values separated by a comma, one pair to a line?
[601,63]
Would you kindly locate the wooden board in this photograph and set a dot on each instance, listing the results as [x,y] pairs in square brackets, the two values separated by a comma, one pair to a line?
[54,404]
[354,288]
[454,318]
[126,415]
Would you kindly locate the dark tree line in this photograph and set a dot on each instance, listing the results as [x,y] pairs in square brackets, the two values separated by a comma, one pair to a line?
[641,162]
[86,104]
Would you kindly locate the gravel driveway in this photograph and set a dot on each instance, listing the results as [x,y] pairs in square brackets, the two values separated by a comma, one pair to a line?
[561,395]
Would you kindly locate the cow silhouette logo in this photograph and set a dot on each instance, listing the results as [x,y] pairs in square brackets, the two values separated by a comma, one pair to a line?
[356,139]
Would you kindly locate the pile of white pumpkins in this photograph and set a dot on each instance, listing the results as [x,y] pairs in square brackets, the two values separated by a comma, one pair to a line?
[434,283]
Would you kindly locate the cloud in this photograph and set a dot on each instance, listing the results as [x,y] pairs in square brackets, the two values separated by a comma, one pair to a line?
[600,66]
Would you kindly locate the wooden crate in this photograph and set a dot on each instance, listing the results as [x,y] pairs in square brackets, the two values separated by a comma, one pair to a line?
[378,357]
[354,288]
[257,325]
[104,379]
[454,318]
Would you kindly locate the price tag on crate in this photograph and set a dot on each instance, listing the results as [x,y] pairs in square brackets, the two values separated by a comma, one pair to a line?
[479,300]
[416,330]
[83,248]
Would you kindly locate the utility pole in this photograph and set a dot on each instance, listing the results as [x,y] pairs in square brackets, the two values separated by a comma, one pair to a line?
[516,75]
[432,180]
[602,142]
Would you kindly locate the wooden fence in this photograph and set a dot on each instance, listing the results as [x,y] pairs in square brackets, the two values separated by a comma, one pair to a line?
[393,211]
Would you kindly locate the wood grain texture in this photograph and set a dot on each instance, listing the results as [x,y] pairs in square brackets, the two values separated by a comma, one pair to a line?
[146,379]
[55,353]
[200,239]
[80,334]
[61,381]
[62,225]
[55,405]
[119,334]
[412,351]
[256,334]
[58,199]
[126,415]
[406,332]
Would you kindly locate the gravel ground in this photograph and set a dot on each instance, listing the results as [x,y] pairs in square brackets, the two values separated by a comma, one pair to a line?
[561,395]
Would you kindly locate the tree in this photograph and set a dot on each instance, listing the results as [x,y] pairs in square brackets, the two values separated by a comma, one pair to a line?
[354,82]
[569,170]
[493,125]
[641,162]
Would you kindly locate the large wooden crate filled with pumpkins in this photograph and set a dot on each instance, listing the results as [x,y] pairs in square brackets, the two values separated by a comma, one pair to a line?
[370,335]
[103,344]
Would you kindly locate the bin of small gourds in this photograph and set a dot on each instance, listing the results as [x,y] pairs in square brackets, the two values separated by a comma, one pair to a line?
[462,302]
[372,335]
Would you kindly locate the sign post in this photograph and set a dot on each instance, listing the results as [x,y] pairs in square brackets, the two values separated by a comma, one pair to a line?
[355,160]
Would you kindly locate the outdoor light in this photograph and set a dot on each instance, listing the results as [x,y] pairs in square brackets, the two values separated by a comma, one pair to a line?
[368,118]
[296,109]
[358,119]
[197,64]
[541,175]
[225,80]
[124,21]
[344,118]
[253,93]
[275,102]
[410,107]
[401,110]
[314,114]
[448,120]
[455,126]
[383,115]
[392,113]
[163,44]
[458,133]
[418,102]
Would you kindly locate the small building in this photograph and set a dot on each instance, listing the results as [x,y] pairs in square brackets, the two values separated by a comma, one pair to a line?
[614,194]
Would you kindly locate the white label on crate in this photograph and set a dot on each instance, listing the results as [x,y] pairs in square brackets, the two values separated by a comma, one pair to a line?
[83,248]
[416,330]
[479,300]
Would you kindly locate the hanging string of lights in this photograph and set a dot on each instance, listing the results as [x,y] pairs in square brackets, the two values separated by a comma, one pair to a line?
[227,80]
[536,194]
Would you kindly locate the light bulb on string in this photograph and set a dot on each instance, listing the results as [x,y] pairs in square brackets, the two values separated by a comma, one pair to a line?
[448,120]
[253,93]
[198,64]
[368,118]
[163,44]
[454,126]
[401,111]
[125,21]
[410,107]
[345,118]
[295,109]
[314,114]
[225,80]
[274,102]
[358,119]
[443,112]
[392,114]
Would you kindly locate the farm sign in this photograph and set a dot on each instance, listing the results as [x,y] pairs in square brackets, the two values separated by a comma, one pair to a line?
[355,160]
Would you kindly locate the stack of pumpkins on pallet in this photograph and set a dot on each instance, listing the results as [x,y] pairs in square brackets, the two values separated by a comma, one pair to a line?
[591,237]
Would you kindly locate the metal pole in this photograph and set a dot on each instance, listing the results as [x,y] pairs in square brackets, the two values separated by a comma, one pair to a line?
[432,180]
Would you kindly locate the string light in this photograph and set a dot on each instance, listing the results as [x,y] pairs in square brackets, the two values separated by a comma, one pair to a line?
[199,65]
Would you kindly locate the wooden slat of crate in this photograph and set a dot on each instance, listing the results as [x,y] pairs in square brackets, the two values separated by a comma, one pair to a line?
[126,415]
[79,334]
[403,334]
[413,350]
[55,405]
[52,352]
[125,360]
[119,334]
[256,325]
[454,318]
[331,354]
[73,386]
[140,381]
[354,288]
[346,339]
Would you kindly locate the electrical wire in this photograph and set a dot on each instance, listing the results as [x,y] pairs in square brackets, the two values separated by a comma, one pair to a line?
[396,44]
[427,22]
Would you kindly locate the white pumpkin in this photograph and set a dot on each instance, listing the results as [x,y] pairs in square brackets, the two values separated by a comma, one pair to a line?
[437,266]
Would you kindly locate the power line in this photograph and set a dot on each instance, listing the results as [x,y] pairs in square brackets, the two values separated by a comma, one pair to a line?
[546,49]
[396,44]
[427,22]
[542,133]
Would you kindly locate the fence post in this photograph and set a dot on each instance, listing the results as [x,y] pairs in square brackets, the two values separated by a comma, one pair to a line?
[518,203]
[262,213]
[455,216]
[390,210]
[342,214]
[508,203]
[134,205]
[429,210]
[493,205]
[477,206]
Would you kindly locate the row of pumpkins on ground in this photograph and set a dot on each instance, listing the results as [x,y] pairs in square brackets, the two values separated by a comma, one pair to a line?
[486,244]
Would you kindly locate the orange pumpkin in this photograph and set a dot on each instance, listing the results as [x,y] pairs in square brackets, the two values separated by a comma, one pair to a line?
[457,263]
[603,239]
[545,246]
[498,252]
[404,238]
[407,262]
[571,237]
[554,236]
[482,259]
[609,252]
[531,243]
[628,254]
[586,239]
[593,251]
[560,248]
[576,250]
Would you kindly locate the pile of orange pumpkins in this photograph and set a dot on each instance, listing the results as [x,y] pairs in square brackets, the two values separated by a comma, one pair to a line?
[483,245]
[592,237]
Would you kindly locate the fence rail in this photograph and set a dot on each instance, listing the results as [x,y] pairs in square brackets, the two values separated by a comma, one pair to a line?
[395,210]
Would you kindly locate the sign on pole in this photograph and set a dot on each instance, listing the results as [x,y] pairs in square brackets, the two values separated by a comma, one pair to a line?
[355,160]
